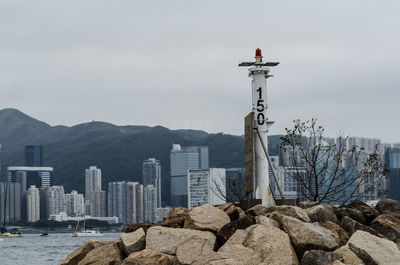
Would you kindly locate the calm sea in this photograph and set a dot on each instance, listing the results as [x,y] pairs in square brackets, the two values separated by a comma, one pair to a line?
[32,249]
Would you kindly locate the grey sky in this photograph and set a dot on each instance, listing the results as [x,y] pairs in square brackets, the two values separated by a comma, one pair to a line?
[174,63]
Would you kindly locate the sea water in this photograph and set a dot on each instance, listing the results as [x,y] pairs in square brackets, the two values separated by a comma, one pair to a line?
[33,249]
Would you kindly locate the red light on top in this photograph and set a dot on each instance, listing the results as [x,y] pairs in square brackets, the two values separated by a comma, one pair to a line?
[258,52]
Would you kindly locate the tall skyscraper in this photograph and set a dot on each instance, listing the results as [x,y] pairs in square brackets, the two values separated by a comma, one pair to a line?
[149,203]
[56,199]
[183,159]
[92,181]
[392,159]
[95,197]
[74,204]
[28,176]
[152,176]
[10,198]
[33,156]
[206,186]
[98,203]
[121,199]
[33,204]
[139,205]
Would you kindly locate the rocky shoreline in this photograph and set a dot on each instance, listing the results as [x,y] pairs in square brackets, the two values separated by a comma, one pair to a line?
[310,234]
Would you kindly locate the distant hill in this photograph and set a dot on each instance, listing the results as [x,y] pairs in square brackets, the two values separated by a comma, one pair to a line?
[118,150]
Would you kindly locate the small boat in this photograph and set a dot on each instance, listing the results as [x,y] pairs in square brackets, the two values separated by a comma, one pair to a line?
[45,234]
[84,232]
[7,234]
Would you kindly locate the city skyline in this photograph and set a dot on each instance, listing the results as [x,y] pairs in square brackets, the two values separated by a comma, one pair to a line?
[336,65]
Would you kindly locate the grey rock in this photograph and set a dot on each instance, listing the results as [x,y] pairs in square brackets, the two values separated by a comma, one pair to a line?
[195,251]
[103,255]
[257,210]
[175,217]
[206,218]
[387,225]
[369,212]
[307,204]
[351,226]
[320,257]
[349,257]
[292,211]
[150,257]
[350,212]
[133,242]
[263,220]
[322,214]
[389,206]
[343,235]
[229,229]
[79,254]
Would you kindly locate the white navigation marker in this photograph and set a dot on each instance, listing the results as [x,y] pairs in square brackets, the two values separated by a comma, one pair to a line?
[260,72]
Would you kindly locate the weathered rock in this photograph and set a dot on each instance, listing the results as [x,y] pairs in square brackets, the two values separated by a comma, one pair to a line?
[350,212]
[103,255]
[229,229]
[133,242]
[349,257]
[134,227]
[257,244]
[351,226]
[165,239]
[369,212]
[292,211]
[306,236]
[387,225]
[78,254]
[175,217]
[263,220]
[336,262]
[322,214]
[195,251]
[307,204]
[374,250]
[389,206]
[150,257]
[206,218]
[343,235]
[257,210]
[232,211]
[320,257]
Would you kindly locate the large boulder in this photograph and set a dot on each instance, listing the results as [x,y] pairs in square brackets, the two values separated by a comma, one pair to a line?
[206,218]
[349,257]
[389,206]
[257,244]
[374,250]
[307,204]
[263,220]
[232,211]
[175,217]
[369,212]
[134,227]
[320,257]
[322,214]
[307,236]
[351,226]
[257,210]
[103,255]
[230,228]
[78,254]
[292,211]
[195,251]
[150,257]
[350,212]
[343,235]
[165,239]
[387,225]
[133,242]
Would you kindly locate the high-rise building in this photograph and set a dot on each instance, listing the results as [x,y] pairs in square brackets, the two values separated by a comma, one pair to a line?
[10,198]
[33,156]
[95,197]
[139,205]
[33,204]
[44,203]
[149,203]
[392,159]
[74,204]
[98,203]
[56,199]
[121,199]
[152,176]
[30,176]
[92,181]
[183,159]
[206,186]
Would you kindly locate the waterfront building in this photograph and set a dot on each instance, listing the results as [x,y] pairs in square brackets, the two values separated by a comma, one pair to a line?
[161,212]
[10,198]
[98,203]
[65,217]
[206,186]
[33,204]
[92,181]
[33,156]
[151,174]
[30,176]
[392,160]
[235,184]
[149,204]
[121,200]
[74,204]
[44,203]
[138,214]
[56,199]
[183,159]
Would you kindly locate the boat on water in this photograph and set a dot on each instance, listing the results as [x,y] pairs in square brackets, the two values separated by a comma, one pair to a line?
[84,232]
[7,234]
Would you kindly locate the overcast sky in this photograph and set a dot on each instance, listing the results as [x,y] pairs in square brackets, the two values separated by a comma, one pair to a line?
[174,63]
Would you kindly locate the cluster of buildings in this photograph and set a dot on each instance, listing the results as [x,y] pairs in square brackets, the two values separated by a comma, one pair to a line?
[28,194]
